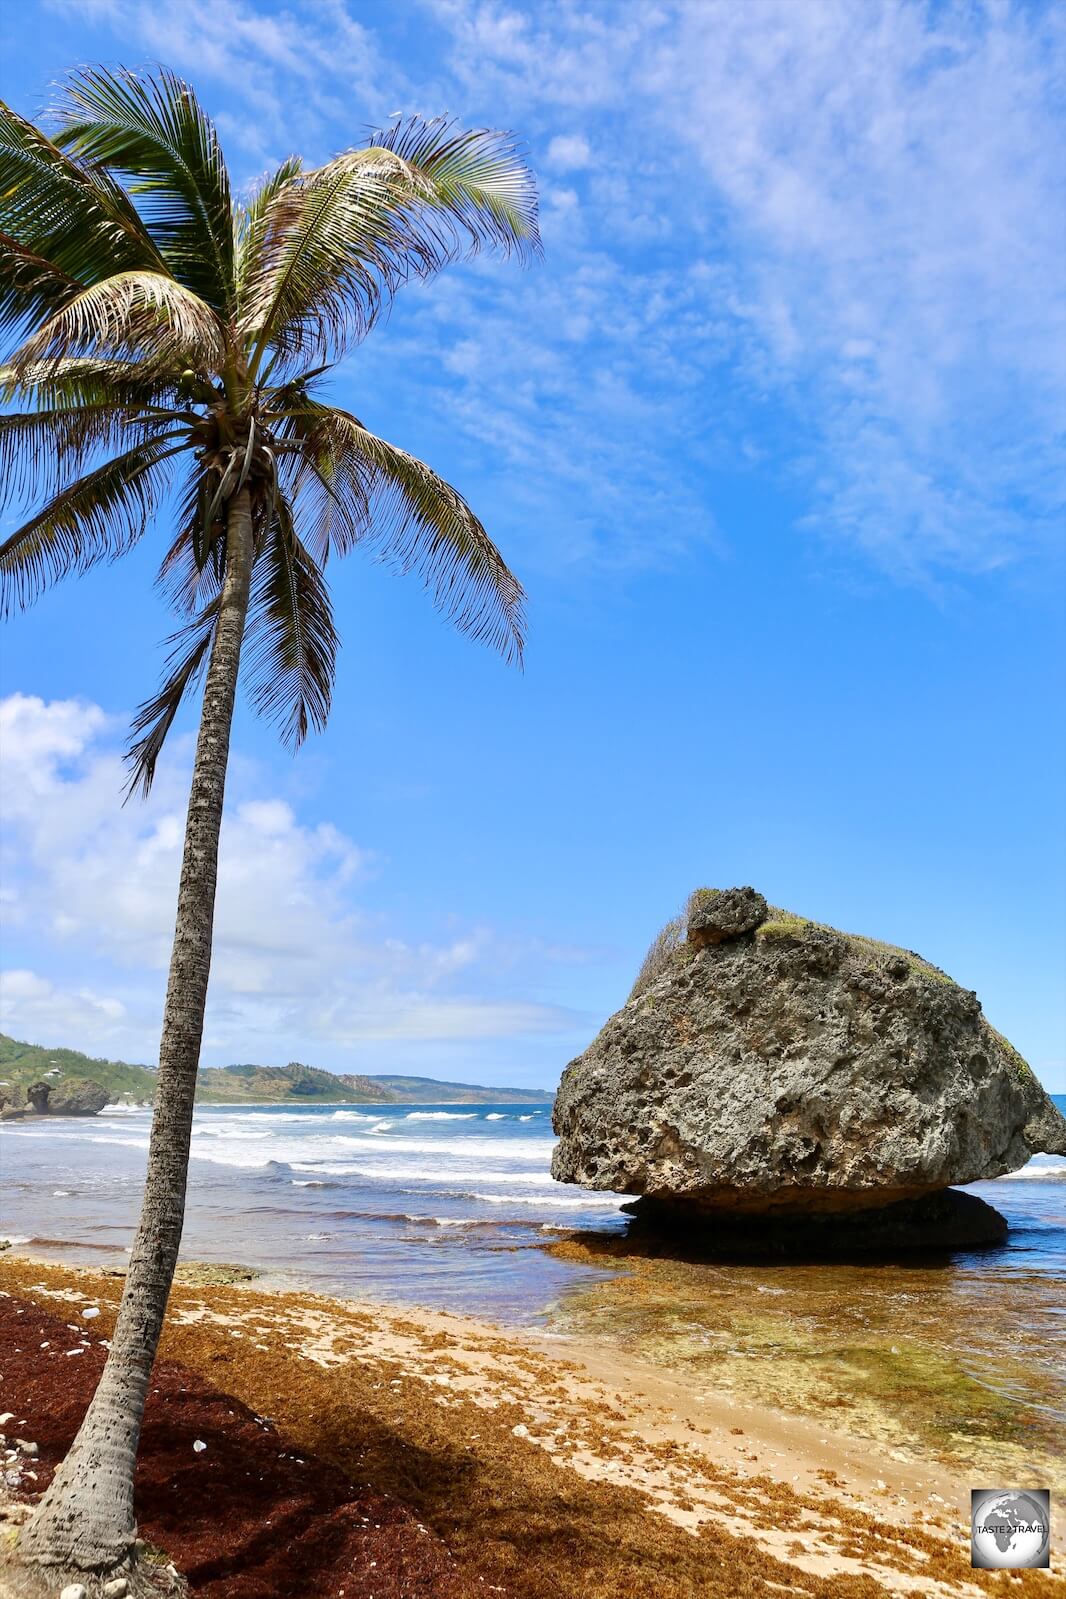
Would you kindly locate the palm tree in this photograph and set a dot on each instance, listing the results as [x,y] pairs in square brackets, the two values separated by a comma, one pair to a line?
[165,336]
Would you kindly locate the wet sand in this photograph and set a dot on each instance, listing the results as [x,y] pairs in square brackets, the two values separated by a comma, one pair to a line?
[567,1466]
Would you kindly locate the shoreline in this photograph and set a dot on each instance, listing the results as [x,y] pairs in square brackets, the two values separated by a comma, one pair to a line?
[530,1451]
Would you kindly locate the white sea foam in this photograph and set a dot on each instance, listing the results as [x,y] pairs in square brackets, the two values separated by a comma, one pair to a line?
[1035,1174]
[441,1116]
[446,1221]
[496,1116]
[589,1202]
[464,1145]
[400,1173]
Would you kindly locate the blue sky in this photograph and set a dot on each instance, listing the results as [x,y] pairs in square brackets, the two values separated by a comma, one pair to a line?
[773,438]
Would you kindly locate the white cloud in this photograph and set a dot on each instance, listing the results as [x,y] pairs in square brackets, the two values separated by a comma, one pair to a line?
[33,1008]
[569,152]
[297,963]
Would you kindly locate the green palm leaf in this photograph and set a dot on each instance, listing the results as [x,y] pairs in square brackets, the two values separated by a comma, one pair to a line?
[154,719]
[152,131]
[189,584]
[31,287]
[252,221]
[416,522]
[97,518]
[132,313]
[41,450]
[338,241]
[472,182]
[79,222]
[292,642]
[93,380]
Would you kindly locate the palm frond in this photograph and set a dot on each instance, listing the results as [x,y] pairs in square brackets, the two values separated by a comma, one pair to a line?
[97,518]
[41,450]
[154,719]
[143,314]
[338,241]
[92,380]
[475,182]
[79,222]
[251,221]
[418,523]
[328,488]
[188,584]
[291,640]
[321,259]
[151,130]
[31,288]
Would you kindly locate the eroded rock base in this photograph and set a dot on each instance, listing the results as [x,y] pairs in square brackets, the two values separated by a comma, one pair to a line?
[935,1223]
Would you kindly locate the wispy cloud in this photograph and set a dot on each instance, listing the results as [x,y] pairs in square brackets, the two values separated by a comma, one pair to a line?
[835,226]
[881,191]
[295,72]
[894,184]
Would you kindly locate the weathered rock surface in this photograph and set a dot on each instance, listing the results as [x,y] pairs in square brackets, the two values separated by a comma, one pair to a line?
[37,1098]
[72,1096]
[766,1064]
[77,1096]
[717,914]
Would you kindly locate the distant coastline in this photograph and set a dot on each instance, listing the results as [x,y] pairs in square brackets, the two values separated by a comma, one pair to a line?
[243,1084]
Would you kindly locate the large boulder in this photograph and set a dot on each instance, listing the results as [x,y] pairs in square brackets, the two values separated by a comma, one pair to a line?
[77,1096]
[765,1064]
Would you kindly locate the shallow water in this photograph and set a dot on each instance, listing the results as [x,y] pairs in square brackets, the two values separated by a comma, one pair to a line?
[437,1204]
[453,1207]
[443,1205]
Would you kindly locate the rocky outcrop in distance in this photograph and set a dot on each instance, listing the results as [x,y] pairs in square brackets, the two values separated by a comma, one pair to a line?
[769,1068]
[71,1096]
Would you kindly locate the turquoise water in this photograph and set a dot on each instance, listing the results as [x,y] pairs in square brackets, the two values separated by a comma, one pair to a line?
[443,1205]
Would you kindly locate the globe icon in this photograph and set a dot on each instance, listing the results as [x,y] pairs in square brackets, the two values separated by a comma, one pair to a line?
[1010,1531]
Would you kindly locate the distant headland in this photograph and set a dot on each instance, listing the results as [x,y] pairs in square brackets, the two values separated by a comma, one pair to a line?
[22,1066]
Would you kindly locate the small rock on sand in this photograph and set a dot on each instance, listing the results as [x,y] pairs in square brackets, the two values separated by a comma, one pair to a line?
[73,1590]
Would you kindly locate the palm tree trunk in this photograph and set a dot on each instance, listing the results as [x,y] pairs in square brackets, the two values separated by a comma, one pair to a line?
[85,1521]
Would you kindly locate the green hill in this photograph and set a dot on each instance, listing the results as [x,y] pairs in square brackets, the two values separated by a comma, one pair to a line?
[22,1064]
[430,1091]
[234,1085]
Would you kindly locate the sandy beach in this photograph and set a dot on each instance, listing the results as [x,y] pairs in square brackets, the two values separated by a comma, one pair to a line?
[552,1465]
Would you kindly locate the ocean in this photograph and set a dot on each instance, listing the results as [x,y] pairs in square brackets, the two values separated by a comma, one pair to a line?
[448,1206]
